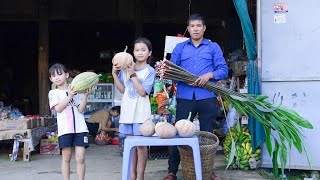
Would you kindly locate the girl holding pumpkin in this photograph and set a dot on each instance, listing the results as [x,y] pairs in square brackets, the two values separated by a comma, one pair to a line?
[135,82]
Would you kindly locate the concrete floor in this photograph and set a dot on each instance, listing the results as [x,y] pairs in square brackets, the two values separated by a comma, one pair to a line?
[103,162]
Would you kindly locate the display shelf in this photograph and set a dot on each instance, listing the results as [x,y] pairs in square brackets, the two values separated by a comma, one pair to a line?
[101,98]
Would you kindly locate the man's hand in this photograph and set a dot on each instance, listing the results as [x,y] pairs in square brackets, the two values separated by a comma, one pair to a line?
[203,79]
[192,84]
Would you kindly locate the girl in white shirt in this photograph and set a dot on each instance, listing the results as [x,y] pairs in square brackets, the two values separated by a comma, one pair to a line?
[72,129]
[135,83]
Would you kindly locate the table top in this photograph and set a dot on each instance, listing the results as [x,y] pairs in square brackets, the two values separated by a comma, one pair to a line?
[157,137]
[157,141]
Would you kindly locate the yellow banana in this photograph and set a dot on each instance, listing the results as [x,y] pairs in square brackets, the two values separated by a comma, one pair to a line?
[246,133]
[245,152]
[248,146]
[247,157]
[258,151]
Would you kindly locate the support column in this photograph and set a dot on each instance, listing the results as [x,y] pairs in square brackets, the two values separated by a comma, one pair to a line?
[43,58]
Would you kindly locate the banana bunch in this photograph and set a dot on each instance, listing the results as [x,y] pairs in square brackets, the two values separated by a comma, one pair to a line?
[243,152]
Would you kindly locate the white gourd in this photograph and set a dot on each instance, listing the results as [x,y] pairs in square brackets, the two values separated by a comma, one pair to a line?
[165,130]
[185,127]
[147,128]
[122,59]
[158,124]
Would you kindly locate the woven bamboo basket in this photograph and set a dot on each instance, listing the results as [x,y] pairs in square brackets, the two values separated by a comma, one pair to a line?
[208,147]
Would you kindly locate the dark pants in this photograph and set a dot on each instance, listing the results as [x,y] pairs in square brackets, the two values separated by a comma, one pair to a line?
[207,110]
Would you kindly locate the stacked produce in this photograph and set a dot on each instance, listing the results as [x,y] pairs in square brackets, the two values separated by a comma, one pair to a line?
[243,151]
[165,130]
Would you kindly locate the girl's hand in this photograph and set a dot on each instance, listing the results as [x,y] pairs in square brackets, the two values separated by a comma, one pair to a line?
[89,91]
[72,91]
[115,70]
[130,69]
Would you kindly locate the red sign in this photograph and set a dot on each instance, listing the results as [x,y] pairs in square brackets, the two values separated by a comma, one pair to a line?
[280,7]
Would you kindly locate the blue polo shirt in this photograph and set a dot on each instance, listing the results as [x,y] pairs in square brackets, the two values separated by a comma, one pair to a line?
[207,57]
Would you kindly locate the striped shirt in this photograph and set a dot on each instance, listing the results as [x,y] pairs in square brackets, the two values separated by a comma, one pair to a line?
[70,120]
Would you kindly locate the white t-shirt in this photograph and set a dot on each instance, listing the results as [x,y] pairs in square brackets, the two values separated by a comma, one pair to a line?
[70,120]
[135,108]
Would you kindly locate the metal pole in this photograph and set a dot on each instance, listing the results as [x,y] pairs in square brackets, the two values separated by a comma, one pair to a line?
[259,48]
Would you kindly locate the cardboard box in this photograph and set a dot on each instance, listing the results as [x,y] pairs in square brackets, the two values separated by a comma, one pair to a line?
[44,122]
[17,124]
[24,123]
[48,146]
[37,122]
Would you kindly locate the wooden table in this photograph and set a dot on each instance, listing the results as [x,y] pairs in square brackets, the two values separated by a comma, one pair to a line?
[29,137]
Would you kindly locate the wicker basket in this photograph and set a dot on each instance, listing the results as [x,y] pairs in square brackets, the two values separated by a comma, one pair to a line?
[208,148]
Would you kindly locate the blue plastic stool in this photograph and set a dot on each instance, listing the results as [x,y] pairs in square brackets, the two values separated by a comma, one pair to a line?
[132,141]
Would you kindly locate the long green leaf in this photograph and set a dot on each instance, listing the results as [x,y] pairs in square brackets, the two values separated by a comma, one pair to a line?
[275,158]
[260,108]
[283,154]
[242,99]
[297,119]
[232,152]
[268,139]
[261,98]
[308,156]
[239,107]
[284,131]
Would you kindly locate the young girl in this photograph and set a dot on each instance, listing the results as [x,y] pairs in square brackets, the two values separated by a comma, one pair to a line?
[72,129]
[135,83]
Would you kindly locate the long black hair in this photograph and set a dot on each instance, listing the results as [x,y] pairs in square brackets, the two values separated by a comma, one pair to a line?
[147,42]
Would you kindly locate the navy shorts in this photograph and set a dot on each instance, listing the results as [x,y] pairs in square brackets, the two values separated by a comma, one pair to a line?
[74,139]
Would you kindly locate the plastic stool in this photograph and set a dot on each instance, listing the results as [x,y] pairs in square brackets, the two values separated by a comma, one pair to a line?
[132,141]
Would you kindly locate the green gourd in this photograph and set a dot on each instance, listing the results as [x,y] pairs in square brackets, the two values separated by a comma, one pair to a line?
[83,81]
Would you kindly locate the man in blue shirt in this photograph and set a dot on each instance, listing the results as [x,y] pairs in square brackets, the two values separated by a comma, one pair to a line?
[205,59]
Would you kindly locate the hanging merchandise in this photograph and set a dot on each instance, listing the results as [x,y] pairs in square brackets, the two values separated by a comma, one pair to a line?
[157,87]
[173,105]
[232,116]
[15,150]
[161,98]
